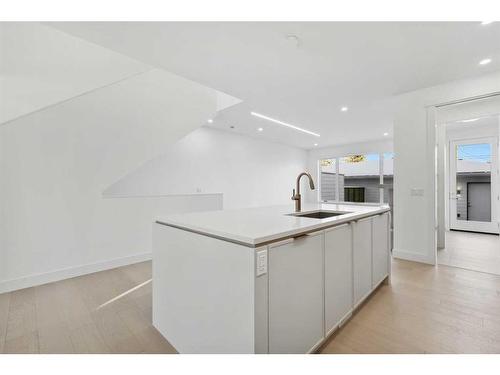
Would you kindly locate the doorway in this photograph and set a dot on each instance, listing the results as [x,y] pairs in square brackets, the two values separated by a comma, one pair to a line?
[467,185]
[473,180]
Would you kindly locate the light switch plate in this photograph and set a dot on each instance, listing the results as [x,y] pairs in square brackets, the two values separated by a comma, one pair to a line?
[261,262]
[417,192]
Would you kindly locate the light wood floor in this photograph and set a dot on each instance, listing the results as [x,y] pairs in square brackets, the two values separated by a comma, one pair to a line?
[425,310]
[83,315]
[473,251]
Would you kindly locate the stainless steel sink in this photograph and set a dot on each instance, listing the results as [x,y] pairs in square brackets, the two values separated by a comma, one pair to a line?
[319,214]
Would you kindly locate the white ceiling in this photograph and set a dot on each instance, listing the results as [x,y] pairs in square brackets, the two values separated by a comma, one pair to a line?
[481,122]
[355,64]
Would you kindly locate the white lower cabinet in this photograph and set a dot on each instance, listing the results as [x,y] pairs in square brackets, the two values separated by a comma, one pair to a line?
[380,250]
[362,259]
[338,275]
[296,294]
[316,280]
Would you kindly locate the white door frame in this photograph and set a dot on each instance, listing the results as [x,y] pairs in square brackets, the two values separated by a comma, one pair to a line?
[434,122]
[466,225]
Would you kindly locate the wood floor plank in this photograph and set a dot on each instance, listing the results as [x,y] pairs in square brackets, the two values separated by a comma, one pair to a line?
[115,332]
[472,251]
[426,309]
[53,332]
[22,333]
[140,326]
[25,344]
[4,316]
[87,339]
[22,313]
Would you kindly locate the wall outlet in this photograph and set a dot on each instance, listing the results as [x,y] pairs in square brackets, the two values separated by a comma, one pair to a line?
[261,262]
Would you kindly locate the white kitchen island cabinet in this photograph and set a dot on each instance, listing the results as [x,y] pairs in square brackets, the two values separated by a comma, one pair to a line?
[263,280]
[381,239]
[296,294]
[338,275]
[362,259]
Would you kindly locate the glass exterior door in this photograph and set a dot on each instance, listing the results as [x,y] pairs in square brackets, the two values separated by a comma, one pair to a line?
[474,185]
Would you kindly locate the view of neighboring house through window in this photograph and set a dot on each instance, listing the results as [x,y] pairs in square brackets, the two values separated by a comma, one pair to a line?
[360,178]
[388,178]
[357,178]
[328,168]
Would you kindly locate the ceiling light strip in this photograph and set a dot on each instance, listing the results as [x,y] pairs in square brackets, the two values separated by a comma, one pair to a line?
[469,120]
[284,124]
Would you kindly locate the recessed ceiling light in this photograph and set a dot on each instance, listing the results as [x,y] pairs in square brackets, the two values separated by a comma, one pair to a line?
[284,124]
[293,39]
[231,127]
[486,22]
[386,134]
[210,120]
[315,144]
[260,129]
[484,61]
[344,109]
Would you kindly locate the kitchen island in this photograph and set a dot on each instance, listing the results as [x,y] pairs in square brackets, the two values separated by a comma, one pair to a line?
[265,280]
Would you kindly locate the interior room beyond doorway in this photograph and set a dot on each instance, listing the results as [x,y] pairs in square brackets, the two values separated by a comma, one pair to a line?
[468,162]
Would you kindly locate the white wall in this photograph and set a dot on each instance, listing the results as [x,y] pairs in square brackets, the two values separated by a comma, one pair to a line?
[247,171]
[490,129]
[56,163]
[66,241]
[59,224]
[415,164]
[77,118]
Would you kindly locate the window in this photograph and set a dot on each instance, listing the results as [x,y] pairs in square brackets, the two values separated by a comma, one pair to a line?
[360,171]
[354,194]
[388,177]
[328,179]
[359,178]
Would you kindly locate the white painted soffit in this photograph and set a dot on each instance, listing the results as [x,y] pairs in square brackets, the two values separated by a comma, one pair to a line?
[225,101]
[41,66]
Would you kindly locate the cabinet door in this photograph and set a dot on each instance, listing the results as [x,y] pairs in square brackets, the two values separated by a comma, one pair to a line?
[338,275]
[380,248]
[362,258]
[296,294]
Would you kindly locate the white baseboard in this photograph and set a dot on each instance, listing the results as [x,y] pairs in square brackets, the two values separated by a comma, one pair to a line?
[413,256]
[66,273]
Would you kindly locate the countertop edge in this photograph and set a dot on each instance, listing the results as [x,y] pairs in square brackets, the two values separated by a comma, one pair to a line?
[263,241]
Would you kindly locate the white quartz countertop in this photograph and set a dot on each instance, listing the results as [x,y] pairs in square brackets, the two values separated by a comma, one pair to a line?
[258,226]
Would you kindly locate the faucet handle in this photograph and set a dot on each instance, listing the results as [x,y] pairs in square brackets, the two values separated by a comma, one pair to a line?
[293,194]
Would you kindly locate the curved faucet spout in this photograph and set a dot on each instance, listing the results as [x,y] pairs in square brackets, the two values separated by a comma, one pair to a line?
[296,192]
[311,182]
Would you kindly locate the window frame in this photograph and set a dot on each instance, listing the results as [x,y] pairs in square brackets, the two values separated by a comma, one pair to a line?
[381,158]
